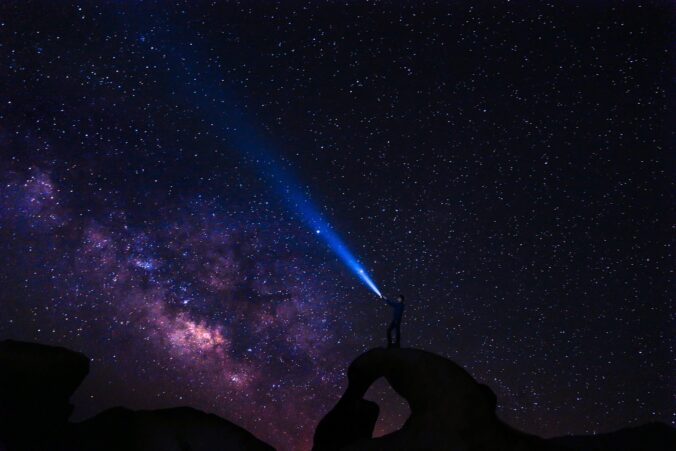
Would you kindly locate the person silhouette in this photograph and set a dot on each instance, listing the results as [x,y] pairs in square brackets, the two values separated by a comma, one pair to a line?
[397,312]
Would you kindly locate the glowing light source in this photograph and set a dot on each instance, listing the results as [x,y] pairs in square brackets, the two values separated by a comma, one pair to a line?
[209,95]
[310,214]
[336,244]
[281,178]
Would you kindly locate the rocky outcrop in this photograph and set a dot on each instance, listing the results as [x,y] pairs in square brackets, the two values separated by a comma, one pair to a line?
[351,420]
[176,429]
[647,437]
[36,383]
[449,409]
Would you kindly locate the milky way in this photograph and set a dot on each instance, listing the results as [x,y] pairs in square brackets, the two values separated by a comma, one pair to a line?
[207,296]
[503,166]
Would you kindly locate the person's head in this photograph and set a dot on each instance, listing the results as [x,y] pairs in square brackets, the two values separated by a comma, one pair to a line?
[401,298]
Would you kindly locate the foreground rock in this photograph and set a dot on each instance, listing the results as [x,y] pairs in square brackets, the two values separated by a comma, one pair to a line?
[449,411]
[36,383]
[648,437]
[176,429]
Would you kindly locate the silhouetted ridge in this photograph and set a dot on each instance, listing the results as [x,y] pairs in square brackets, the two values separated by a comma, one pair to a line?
[179,428]
[449,411]
[36,383]
[648,437]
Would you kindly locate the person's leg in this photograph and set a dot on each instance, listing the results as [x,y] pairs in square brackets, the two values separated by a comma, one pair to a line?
[398,331]
[389,334]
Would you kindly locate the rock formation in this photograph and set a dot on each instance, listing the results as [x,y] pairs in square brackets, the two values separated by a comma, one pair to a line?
[176,429]
[647,437]
[36,383]
[449,411]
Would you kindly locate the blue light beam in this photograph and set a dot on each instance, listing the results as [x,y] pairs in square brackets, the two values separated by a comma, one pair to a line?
[314,218]
[289,191]
[204,90]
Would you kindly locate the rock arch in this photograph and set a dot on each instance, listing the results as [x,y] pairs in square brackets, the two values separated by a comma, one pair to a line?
[449,409]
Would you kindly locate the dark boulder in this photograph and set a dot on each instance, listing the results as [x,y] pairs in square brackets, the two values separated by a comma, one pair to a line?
[449,409]
[176,429]
[647,437]
[351,420]
[36,383]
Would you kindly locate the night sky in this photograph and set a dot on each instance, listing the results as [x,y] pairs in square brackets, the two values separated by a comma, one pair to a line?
[504,165]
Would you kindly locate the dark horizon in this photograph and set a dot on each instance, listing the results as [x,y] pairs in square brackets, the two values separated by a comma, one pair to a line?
[505,166]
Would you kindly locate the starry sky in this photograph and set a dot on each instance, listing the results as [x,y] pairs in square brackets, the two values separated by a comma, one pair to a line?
[503,164]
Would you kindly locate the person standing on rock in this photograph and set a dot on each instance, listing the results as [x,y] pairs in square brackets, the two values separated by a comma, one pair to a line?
[397,312]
